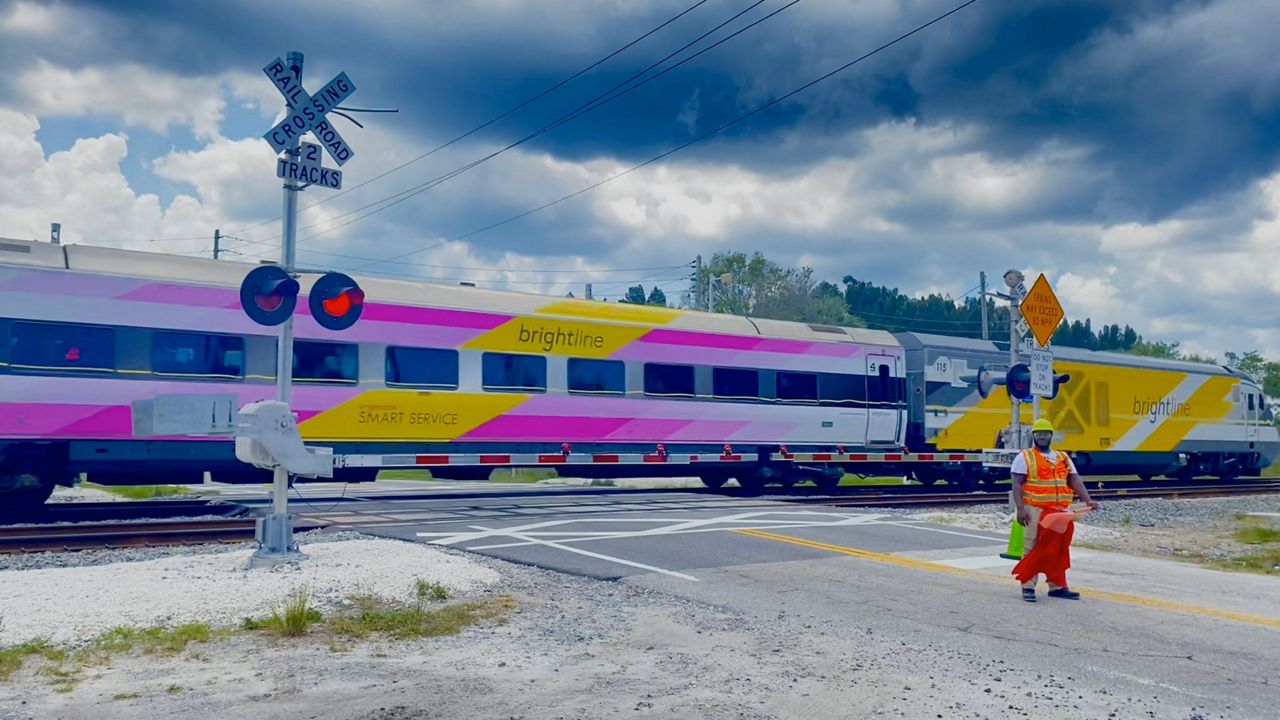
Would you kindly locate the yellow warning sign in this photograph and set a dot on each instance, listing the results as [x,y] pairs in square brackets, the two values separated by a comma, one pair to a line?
[1042,311]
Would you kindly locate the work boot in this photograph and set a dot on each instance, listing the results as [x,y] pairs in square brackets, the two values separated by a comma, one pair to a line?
[1064,593]
[1029,594]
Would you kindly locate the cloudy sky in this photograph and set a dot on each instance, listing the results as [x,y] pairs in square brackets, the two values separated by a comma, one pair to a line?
[1126,148]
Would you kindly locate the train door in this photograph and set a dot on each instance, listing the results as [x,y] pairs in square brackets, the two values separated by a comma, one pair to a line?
[884,400]
[1252,415]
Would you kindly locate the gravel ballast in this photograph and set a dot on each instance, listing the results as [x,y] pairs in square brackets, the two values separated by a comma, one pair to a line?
[70,604]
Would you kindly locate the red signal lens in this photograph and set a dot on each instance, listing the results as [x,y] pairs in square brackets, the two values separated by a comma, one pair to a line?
[268,303]
[340,305]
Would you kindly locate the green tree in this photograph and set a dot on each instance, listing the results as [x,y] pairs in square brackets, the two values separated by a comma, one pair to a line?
[635,295]
[759,287]
[1157,349]
[1250,363]
[657,297]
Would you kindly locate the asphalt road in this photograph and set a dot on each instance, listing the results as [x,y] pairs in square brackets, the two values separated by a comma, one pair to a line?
[1150,638]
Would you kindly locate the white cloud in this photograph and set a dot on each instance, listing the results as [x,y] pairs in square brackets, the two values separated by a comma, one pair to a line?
[140,96]
[84,189]
[33,19]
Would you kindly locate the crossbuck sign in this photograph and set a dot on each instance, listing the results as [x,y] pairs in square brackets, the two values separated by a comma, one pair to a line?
[307,112]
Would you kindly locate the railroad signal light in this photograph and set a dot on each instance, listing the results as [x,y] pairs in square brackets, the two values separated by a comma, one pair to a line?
[1059,380]
[268,295]
[1018,381]
[336,301]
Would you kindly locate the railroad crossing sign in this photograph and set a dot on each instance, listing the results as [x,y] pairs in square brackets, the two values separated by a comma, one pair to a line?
[307,168]
[308,111]
[1042,311]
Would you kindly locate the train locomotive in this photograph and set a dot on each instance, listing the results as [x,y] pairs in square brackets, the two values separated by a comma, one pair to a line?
[461,380]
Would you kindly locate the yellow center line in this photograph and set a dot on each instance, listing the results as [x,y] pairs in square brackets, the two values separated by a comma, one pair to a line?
[1125,598]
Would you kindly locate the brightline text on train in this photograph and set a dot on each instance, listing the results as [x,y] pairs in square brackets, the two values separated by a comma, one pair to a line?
[549,339]
[1154,409]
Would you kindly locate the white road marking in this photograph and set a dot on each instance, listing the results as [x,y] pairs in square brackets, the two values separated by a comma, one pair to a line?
[909,524]
[596,555]
[673,526]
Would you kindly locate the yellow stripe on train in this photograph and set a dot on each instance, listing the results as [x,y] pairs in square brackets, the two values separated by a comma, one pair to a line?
[1098,406]
[545,336]
[408,415]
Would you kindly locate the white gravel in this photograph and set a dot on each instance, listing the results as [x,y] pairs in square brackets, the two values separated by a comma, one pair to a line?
[71,604]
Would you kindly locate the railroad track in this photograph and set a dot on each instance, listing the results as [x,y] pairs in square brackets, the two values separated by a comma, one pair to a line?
[124,510]
[1002,495]
[105,535]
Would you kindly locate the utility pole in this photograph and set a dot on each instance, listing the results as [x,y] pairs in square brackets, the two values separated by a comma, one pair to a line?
[217,243]
[1014,279]
[590,296]
[982,296]
[697,285]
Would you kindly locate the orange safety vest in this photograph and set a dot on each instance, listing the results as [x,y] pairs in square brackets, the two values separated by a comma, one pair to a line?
[1046,485]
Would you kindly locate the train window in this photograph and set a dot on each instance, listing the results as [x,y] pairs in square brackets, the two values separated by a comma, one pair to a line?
[514,373]
[422,367]
[883,387]
[797,387]
[668,380]
[62,347]
[1250,401]
[324,362]
[196,355]
[735,383]
[836,389]
[598,377]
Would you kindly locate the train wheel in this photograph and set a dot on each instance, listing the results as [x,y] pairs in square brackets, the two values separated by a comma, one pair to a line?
[715,482]
[751,482]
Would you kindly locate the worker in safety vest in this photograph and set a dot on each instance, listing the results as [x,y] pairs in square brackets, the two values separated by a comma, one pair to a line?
[1043,479]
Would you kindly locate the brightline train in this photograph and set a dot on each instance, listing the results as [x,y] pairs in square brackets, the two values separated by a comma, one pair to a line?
[462,380]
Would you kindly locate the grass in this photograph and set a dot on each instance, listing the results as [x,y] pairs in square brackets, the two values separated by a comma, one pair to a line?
[294,615]
[64,666]
[142,492]
[521,475]
[429,590]
[418,475]
[855,480]
[12,658]
[377,616]
[126,696]
[1254,531]
[149,641]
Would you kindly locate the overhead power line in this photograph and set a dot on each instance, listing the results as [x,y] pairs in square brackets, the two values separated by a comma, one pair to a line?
[598,101]
[757,110]
[502,115]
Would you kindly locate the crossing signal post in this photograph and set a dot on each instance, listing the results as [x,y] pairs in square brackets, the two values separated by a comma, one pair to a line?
[269,294]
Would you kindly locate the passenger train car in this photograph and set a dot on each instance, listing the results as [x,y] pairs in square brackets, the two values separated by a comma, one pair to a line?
[461,380]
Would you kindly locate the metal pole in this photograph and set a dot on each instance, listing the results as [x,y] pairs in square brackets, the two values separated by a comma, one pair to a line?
[697,283]
[276,536]
[982,296]
[217,240]
[1015,430]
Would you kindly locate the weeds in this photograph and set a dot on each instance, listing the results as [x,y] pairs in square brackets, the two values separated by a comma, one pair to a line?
[174,689]
[126,696]
[294,615]
[1255,533]
[12,658]
[385,618]
[430,590]
[151,641]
